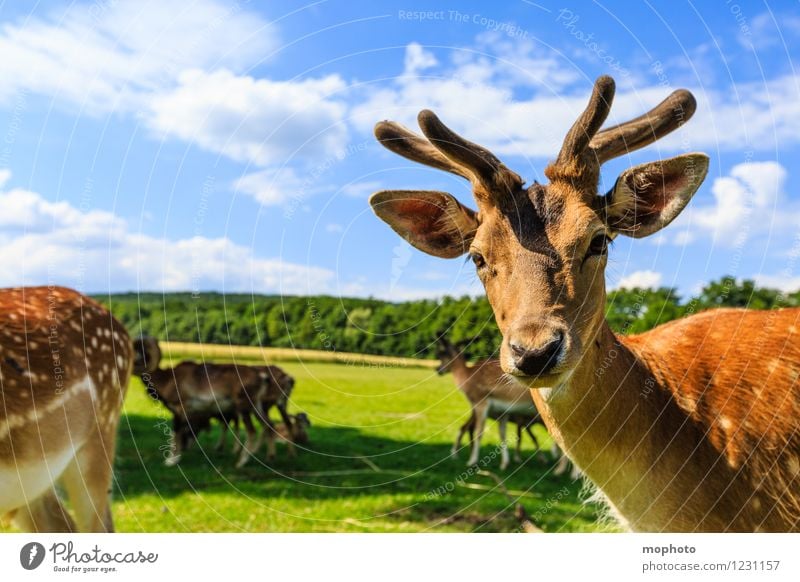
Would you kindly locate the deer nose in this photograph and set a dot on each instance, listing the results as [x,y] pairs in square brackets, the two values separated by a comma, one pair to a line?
[539,360]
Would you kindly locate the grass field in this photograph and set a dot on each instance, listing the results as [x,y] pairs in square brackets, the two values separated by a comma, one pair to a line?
[379,452]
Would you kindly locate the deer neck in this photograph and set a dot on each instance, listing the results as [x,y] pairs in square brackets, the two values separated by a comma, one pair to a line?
[462,373]
[615,418]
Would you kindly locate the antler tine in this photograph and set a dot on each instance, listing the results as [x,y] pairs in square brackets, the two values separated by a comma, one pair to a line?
[408,144]
[477,159]
[586,126]
[664,118]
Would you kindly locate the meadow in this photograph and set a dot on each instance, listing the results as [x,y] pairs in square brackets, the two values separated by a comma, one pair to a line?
[378,461]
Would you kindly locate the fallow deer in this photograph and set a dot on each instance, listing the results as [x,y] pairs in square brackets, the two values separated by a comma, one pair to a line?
[491,395]
[693,426]
[64,371]
[197,393]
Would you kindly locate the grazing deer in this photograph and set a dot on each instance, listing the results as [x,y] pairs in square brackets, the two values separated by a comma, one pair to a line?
[693,426]
[299,429]
[64,370]
[491,395]
[197,393]
[277,390]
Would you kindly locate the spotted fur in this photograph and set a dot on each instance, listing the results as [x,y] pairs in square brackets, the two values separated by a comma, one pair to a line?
[64,369]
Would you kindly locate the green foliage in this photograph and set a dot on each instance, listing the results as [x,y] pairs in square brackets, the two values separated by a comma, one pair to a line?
[406,329]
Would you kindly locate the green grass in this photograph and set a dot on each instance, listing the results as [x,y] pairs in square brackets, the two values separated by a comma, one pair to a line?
[380,442]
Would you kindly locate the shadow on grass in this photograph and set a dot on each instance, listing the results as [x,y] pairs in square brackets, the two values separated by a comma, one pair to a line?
[342,462]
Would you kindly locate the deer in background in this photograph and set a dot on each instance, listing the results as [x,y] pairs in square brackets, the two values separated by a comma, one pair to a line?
[64,371]
[692,426]
[197,393]
[490,395]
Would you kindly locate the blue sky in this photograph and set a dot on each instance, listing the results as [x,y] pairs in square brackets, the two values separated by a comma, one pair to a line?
[205,145]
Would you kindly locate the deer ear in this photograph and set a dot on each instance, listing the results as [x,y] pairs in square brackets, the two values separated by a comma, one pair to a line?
[647,198]
[434,222]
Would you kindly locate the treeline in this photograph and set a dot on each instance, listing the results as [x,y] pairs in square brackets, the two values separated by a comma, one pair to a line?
[408,329]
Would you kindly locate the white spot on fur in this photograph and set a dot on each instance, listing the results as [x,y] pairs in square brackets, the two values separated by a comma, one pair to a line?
[34,415]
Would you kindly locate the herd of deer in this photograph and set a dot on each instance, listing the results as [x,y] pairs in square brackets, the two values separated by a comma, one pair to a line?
[693,426]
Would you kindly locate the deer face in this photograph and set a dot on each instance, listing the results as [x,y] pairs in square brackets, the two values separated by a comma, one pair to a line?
[541,251]
[146,355]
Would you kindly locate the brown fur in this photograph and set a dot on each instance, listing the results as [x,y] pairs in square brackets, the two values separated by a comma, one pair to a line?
[690,427]
[64,369]
[197,393]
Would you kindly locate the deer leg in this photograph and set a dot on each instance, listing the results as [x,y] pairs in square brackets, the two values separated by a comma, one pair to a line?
[237,437]
[529,430]
[518,449]
[502,424]
[45,514]
[287,420]
[87,481]
[250,446]
[480,412]
[223,434]
[467,426]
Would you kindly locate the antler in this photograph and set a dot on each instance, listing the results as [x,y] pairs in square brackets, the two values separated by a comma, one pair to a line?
[584,128]
[446,150]
[664,118]
[585,149]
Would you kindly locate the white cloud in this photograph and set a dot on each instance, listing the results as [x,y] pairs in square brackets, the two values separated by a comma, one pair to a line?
[334,228]
[523,103]
[785,283]
[178,67]
[278,186]
[361,189]
[418,59]
[107,56]
[749,201]
[769,29]
[253,120]
[44,241]
[639,279]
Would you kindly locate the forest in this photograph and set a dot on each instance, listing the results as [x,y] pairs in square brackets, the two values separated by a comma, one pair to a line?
[408,329]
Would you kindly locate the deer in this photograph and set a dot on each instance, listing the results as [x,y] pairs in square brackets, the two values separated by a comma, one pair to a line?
[196,393]
[693,426]
[64,372]
[484,386]
[276,392]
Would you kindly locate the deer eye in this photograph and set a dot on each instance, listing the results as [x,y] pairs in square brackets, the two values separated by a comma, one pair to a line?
[477,259]
[598,246]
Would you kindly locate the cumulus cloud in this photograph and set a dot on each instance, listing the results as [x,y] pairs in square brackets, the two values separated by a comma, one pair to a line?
[749,201]
[639,280]
[418,59]
[253,120]
[44,242]
[178,67]
[785,283]
[108,56]
[520,102]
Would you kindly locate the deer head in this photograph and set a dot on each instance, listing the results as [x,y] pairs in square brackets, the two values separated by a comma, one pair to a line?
[541,251]
[146,355]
